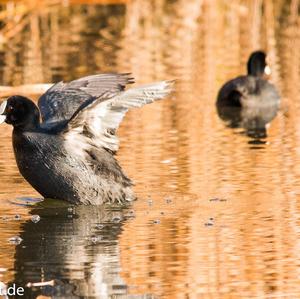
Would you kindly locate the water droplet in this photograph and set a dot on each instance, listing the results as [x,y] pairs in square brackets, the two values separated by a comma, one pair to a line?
[16,240]
[168,200]
[17,217]
[96,239]
[210,222]
[116,219]
[35,218]
[99,226]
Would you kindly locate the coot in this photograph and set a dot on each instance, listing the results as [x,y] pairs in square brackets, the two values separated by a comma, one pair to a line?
[251,89]
[69,154]
[249,101]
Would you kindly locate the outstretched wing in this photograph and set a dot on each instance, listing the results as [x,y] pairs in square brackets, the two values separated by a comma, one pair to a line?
[96,124]
[62,100]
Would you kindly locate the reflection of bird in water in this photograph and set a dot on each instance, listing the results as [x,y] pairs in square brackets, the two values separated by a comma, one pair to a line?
[249,101]
[75,246]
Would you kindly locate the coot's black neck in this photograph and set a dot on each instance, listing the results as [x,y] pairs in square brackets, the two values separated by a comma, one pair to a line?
[256,64]
[30,123]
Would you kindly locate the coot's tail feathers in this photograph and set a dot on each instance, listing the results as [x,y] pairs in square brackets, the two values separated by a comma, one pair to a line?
[99,120]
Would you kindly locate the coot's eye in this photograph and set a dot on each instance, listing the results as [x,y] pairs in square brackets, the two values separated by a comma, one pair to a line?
[10,108]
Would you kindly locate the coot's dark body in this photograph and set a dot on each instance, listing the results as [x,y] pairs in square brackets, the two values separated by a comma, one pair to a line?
[54,173]
[70,155]
[248,91]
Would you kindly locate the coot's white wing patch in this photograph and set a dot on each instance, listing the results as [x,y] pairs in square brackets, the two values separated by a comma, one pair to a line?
[96,123]
[61,101]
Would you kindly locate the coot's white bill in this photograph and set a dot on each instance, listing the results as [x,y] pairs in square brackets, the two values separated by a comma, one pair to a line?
[267,70]
[2,109]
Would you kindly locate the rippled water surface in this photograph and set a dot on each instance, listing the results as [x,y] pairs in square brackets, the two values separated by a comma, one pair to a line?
[218,214]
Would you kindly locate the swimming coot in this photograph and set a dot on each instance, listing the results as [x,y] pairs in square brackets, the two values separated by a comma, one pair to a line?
[249,101]
[69,155]
[251,89]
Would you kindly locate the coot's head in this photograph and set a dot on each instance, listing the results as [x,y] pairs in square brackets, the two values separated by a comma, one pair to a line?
[257,65]
[20,112]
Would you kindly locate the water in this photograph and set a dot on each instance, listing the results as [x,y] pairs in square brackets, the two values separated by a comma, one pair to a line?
[218,214]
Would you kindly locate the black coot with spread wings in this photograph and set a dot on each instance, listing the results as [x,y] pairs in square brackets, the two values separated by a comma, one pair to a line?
[70,154]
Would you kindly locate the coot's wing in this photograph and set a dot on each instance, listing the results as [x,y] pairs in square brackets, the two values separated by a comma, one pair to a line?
[62,100]
[231,92]
[96,124]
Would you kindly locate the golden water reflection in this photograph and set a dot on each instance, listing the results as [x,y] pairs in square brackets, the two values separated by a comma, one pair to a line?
[218,216]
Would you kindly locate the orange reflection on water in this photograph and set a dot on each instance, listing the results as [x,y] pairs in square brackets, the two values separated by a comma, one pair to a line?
[217,216]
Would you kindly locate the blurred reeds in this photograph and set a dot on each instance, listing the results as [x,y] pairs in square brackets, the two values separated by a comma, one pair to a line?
[44,41]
